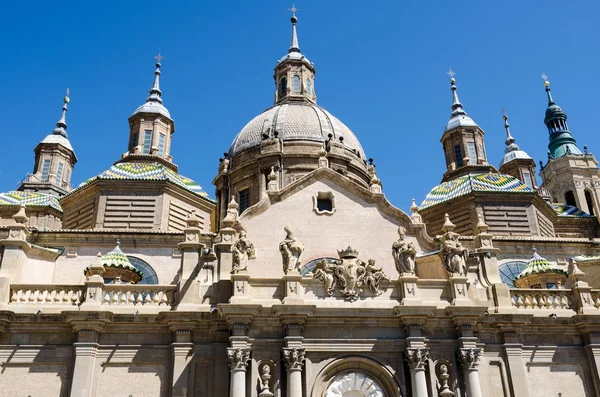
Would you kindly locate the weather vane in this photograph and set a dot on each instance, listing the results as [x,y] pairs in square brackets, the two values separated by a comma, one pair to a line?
[293,10]
[159,57]
[450,73]
[544,76]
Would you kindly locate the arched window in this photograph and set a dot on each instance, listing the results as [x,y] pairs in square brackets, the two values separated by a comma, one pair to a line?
[310,266]
[570,198]
[308,86]
[590,202]
[509,271]
[282,86]
[149,274]
[296,83]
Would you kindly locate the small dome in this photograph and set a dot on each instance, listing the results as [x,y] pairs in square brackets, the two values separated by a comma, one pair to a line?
[61,140]
[295,121]
[153,107]
[513,155]
[461,120]
[538,265]
[117,265]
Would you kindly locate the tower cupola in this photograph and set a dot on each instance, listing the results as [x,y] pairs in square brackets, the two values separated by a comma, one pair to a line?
[463,141]
[54,160]
[151,128]
[561,141]
[294,73]
[516,162]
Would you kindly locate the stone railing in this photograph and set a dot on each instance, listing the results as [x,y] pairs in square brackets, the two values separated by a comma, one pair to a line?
[46,294]
[541,298]
[138,295]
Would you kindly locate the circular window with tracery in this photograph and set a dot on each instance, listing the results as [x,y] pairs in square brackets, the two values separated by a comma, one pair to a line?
[354,384]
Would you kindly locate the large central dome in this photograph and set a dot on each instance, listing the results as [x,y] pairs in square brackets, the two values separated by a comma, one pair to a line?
[295,121]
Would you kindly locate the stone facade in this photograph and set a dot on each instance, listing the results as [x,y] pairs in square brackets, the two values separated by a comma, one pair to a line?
[314,286]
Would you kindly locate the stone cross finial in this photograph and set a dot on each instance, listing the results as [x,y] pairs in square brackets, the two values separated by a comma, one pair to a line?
[450,73]
[159,57]
[293,10]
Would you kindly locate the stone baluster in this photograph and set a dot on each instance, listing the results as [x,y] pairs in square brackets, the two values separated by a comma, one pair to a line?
[417,360]
[469,358]
[294,360]
[238,363]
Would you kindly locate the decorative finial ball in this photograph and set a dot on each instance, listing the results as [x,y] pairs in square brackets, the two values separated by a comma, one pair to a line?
[452,80]
[294,19]
[67,99]
[546,83]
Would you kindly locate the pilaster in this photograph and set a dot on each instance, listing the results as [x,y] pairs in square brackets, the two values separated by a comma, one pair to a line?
[513,350]
[182,356]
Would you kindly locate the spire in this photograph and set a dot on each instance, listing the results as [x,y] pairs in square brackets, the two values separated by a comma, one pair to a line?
[155,92]
[61,125]
[510,141]
[457,107]
[547,85]
[294,47]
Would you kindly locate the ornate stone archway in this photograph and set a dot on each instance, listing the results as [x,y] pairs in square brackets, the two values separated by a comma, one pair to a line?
[356,376]
[354,384]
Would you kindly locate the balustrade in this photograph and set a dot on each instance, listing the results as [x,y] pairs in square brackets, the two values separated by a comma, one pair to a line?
[541,298]
[138,295]
[46,294]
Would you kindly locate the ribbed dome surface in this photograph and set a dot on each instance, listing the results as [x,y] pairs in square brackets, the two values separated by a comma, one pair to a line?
[295,121]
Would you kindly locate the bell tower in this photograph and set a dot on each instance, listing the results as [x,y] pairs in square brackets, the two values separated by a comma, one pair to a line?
[294,73]
[54,161]
[463,142]
[570,176]
[151,128]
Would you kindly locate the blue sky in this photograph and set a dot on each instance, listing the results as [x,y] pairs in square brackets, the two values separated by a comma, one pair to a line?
[380,69]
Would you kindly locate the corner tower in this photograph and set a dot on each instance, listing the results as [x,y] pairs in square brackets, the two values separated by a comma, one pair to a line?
[570,176]
[463,142]
[54,161]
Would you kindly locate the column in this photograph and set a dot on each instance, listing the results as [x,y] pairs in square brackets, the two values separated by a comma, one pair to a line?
[417,359]
[238,363]
[294,360]
[182,356]
[593,349]
[86,348]
[469,358]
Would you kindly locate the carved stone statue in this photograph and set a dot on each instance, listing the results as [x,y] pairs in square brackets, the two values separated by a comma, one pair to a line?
[404,253]
[242,250]
[324,272]
[373,276]
[452,251]
[291,251]
[443,386]
[350,274]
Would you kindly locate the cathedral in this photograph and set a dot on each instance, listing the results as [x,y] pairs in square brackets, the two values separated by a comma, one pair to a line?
[140,283]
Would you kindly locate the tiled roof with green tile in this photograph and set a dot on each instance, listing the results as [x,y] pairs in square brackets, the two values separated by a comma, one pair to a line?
[537,265]
[29,199]
[489,182]
[148,172]
[569,211]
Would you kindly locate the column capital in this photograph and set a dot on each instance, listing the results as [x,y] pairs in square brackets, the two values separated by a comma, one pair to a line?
[469,358]
[238,358]
[293,358]
[417,358]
